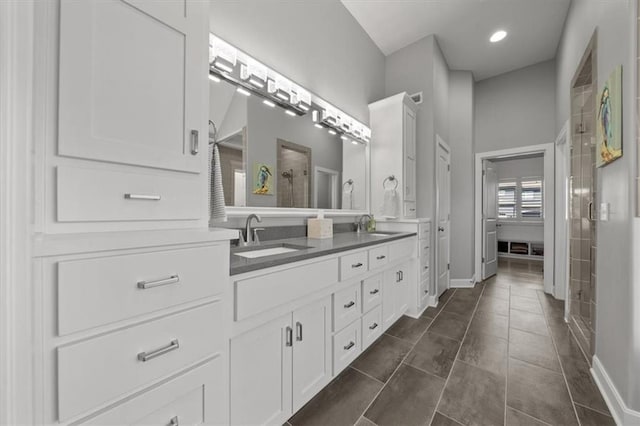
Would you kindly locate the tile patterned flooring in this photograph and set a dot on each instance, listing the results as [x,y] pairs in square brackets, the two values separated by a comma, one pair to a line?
[497,354]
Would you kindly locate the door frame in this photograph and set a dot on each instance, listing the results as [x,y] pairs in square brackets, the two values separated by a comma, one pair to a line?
[484,233]
[335,185]
[440,143]
[547,150]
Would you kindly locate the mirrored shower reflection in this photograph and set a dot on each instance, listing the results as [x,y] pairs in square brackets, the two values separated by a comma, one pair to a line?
[272,159]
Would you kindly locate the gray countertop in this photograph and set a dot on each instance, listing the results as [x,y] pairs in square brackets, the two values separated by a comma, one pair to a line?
[313,248]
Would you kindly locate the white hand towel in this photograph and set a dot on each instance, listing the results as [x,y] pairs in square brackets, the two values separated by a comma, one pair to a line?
[347,200]
[217,210]
[390,203]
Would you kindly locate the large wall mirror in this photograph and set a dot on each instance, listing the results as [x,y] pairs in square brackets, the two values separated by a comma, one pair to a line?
[274,156]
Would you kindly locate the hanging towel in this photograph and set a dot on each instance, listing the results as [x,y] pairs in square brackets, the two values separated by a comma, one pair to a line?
[217,210]
[347,199]
[390,203]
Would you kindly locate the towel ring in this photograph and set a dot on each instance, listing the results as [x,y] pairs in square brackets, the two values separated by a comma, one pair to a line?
[391,178]
[349,182]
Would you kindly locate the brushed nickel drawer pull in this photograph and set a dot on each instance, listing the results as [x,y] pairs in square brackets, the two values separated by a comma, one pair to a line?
[289,336]
[173,279]
[381,257]
[194,142]
[174,421]
[298,331]
[129,196]
[374,291]
[373,326]
[146,356]
[349,346]
[357,265]
[350,304]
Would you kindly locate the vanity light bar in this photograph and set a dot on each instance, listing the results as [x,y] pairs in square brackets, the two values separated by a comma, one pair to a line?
[253,77]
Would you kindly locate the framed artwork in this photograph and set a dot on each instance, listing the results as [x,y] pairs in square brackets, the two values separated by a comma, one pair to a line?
[263,179]
[609,119]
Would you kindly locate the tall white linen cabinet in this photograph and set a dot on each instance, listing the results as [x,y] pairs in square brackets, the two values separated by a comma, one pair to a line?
[130,291]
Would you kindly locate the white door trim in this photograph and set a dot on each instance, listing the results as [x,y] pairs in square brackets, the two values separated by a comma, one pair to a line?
[17,43]
[549,205]
[441,143]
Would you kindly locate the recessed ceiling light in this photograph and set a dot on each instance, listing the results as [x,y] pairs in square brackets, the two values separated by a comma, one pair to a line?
[498,36]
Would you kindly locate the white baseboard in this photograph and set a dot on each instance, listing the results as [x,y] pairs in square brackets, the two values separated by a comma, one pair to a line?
[622,414]
[433,301]
[463,283]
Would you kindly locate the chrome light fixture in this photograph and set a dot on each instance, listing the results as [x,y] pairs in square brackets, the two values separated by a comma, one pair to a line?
[280,88]
[254,73]
[301,98]
[223,56]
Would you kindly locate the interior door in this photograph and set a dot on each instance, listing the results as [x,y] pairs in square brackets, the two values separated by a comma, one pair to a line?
[443,168]
[489,219]
[311,350]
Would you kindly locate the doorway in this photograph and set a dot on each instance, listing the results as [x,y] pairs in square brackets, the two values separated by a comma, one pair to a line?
[582,197]
[514,210]
[443,210]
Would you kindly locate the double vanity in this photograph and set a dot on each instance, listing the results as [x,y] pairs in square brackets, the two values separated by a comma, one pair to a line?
[302,315]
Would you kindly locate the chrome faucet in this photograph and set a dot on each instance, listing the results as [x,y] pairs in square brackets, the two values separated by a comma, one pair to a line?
[251,235]
[359,226]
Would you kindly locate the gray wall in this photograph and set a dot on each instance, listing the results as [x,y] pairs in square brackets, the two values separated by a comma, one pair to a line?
[317,44]
[617,321]
[516,109]
[461,141]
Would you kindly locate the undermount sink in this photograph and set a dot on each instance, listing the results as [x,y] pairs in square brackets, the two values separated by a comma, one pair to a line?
[380,234]
[267,250]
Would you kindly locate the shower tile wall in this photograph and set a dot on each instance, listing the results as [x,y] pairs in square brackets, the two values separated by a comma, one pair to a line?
[291,159]
[583,243]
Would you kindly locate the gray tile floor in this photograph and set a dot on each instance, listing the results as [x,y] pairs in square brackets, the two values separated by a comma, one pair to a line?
[497,354]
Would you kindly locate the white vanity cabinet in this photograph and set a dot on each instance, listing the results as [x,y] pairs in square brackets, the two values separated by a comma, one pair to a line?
[297,326]
[393,152]
[419,291]
[277,367]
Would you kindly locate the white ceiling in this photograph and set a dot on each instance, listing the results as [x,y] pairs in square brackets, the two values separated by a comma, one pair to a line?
[463,28]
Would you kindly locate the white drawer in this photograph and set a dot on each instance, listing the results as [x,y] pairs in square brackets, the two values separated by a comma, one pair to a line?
[378,257]
[95,195]
[353,264]
[108,367]
[424,231]
[346,346]
[193,398]
[263,292]
[410,209]
[424,248]
[371,326]
[402,250]
[371,292]
[97,291]
[346,306]
[425,272]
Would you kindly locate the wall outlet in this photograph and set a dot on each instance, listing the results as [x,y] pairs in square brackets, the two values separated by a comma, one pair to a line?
[604,212]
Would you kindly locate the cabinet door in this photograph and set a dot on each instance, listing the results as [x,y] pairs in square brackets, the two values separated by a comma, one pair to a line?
[402,289]
[261,374]
[311,351]
[409,144]
[133,82]
[389,313]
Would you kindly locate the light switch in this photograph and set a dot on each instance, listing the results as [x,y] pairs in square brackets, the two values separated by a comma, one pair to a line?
[604,212]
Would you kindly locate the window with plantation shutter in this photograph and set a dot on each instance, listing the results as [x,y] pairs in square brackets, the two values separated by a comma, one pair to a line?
[507,200]
[531,199]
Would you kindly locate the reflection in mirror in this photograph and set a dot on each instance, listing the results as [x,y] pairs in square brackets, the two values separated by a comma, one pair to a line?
[271,157]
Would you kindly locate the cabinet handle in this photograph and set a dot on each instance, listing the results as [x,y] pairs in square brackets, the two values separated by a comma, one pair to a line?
[373,326]
[146,356]
[289,336]
[381,257]
[397,277]
[357,265]
[349,346]
[412,210]
[194,142]
[441,228]
[374,291]
[173,279]
[174,421]
[401,275]
[298,331]
[147,197]
[350,304]
[426,291]
[426,267]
